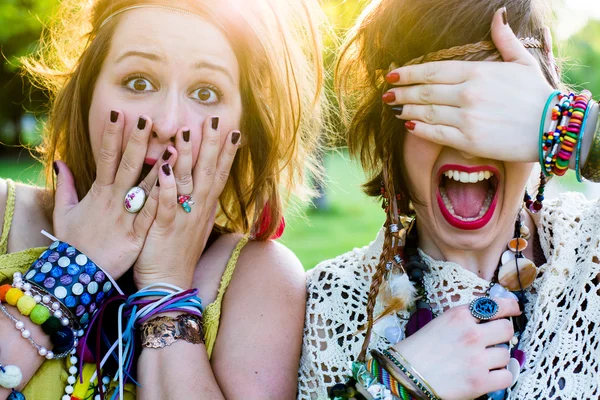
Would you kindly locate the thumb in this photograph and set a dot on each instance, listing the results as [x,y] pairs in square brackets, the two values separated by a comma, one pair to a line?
[511,49]
[66,195]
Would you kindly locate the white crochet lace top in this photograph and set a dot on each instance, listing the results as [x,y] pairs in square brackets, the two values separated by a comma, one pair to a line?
[562,337]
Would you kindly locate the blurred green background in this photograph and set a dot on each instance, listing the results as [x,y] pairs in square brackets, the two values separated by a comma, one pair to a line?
[344,218]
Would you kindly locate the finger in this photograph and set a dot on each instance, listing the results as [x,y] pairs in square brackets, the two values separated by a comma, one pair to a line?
[508,308]
[134,154]
[204,171]
[449,95]
[145,218]
[498,379]
[66,195]
[110,149]
[170,155]
[497,357]
[440,72]
[183,168]
[440,134]
[167,199]
[497,331]
[431,114]
[509,46]
[224,164]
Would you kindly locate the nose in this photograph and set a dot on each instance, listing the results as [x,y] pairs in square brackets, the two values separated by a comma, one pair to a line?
[167,118]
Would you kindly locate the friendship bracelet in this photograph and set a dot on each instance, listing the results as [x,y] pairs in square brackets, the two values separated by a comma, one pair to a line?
[572,132]
[591,170]
[413,376]
[386,378]
[72,278]
[542,126]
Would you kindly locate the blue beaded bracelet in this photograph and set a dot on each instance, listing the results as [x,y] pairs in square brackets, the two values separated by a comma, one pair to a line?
[72,278]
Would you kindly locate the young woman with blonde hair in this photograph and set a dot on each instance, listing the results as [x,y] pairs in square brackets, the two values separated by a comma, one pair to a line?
[449,147]
[175,133]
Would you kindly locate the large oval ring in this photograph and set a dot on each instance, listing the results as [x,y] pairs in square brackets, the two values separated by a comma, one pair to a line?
[484,308]
[135,199]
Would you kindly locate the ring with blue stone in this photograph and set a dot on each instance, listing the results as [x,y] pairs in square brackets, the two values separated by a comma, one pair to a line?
[186,202]
[484,308]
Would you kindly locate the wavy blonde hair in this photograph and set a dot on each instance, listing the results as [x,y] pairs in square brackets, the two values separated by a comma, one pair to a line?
[278,47]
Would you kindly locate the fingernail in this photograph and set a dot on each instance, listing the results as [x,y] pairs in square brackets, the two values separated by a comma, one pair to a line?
[141,123]
[504,16]
[235,137]
[410,125]
[215,123]
[392,77]
[186,136]
[389,97]
[166,155]
[398,110]
[55,167]
[114,116]
[157,183]
[166,169]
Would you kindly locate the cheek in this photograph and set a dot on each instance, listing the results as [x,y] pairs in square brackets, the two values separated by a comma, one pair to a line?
[420,157]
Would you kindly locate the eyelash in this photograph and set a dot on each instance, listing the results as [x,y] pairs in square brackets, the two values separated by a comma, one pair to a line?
[130,78]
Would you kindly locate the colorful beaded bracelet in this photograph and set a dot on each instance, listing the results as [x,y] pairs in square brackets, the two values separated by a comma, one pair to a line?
[571,133]
[10,378]
[421,384]
[72,278]
[544,143]
[384,377]
[581,136]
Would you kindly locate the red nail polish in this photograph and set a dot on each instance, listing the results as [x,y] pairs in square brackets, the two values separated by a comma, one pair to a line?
[392,77]
[410,125]
[389,97]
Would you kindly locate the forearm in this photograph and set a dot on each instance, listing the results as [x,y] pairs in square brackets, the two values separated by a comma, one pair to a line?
[179,371]
[15,350]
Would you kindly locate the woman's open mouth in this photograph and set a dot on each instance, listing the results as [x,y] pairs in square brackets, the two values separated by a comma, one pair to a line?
[467,196]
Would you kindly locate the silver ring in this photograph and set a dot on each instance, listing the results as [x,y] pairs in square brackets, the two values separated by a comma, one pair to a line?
[135,199]
[484,308]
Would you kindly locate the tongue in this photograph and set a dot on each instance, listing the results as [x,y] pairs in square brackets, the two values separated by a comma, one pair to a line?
[466,198]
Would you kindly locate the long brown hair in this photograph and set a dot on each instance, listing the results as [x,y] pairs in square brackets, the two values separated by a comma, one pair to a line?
[278,47]
[393,32]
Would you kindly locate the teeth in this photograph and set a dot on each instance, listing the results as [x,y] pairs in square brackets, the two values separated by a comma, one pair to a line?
[465,177]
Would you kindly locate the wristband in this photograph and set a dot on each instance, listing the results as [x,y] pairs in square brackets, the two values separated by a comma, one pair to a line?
[542,126]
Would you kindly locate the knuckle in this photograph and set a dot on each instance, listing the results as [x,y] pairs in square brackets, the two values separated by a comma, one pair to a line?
[208,170]
[438,133]
[184,180]
[223,176]
[136,138]
[127,165]
[107,156]
[507,328]
[96,190]
[472,336]
[430,114]
[145,213]
[475,382]
[425,93]
[429,73]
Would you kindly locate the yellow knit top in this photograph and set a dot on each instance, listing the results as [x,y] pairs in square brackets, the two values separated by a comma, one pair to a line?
[50,379]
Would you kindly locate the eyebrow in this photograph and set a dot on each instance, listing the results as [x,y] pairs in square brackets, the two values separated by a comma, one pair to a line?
[215,67]
[143,54]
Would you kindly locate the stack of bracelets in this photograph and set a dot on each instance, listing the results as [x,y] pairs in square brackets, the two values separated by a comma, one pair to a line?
[66,294]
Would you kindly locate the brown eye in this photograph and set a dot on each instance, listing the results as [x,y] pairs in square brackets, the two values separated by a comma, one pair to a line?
[140,85]
[206,95]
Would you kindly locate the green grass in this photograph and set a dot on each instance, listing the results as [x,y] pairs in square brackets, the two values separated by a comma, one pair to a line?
[352,219]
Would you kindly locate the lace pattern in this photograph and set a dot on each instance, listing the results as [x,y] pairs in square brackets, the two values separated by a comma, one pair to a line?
[562,337]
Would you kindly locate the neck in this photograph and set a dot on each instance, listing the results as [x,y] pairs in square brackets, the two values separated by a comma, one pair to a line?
[483,262]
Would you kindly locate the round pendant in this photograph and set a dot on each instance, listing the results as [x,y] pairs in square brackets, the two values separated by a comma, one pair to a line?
[512,272]
[517,244]
[135,199]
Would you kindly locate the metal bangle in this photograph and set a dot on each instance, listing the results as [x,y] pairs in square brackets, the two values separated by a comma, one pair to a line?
[412,374]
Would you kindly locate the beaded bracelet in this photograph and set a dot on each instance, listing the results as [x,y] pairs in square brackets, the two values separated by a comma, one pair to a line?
[72,278]
[543,136]
[571,136]
[591,169]
[11,377]
[412,375]
[561,114]
[581,136]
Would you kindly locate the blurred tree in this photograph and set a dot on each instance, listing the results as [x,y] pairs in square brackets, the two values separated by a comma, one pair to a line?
[20,27]
[582,53]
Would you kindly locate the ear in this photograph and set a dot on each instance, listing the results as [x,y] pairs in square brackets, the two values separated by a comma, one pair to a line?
[555,70]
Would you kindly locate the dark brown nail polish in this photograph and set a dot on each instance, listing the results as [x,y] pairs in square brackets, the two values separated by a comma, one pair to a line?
[215,123]
[141,123]
[166,169]
[389,97]
[166,155]
[186,136]
[114,116]
[157,183]
[504,16]
[235,137]
[398,110]
[410,125]
[55,167]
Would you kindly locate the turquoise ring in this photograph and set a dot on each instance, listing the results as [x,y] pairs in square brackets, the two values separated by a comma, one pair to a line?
[484,308]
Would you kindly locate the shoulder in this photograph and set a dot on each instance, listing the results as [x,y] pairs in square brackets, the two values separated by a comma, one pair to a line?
[29,216]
